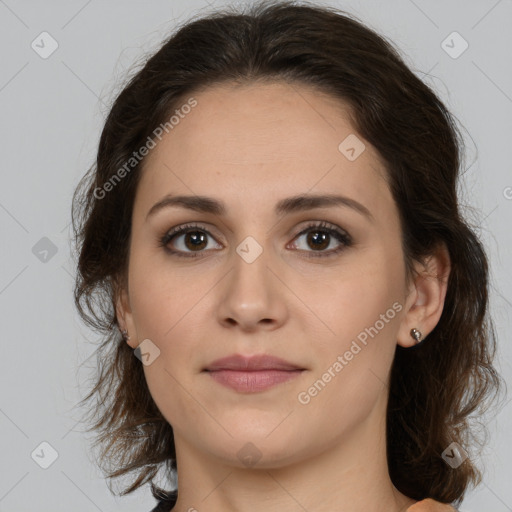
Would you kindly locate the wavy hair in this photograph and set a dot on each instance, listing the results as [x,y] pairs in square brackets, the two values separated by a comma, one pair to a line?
[435,387]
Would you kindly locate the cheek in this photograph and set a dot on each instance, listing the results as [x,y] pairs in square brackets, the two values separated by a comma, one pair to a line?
[170,323]
[363,309]
[165,310]
[361,297]
[164,296]
[352,367]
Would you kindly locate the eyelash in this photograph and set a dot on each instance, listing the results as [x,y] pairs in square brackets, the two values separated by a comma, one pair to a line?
[340,235]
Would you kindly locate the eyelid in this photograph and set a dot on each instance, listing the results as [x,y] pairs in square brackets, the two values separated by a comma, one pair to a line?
[320,224]
[184,228]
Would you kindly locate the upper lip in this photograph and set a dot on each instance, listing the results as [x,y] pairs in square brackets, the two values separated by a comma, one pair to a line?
[251,363]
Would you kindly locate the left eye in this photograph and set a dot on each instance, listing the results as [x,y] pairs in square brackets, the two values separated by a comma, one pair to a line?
[320,239]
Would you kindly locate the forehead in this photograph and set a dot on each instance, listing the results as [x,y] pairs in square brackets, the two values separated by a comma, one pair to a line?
[246,142]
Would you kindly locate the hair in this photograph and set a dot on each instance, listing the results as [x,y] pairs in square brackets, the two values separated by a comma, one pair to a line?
[435,387]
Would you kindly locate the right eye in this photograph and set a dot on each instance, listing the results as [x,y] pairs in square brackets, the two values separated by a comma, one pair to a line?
[194,239]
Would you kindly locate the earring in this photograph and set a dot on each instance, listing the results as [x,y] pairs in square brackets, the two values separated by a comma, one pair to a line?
[124,332]
[416,335]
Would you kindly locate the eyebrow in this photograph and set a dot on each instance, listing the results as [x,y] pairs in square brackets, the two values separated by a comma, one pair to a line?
[293,204]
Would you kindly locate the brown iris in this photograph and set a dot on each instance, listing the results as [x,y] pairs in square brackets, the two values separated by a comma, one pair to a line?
[196,238]
[316,236]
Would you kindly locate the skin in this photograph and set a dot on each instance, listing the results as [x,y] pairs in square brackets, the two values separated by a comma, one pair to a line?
[250,146]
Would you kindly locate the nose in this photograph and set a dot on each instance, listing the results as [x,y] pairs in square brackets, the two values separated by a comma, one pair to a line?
[252,296]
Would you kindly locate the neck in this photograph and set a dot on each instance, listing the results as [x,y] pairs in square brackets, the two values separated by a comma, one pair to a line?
[351,475]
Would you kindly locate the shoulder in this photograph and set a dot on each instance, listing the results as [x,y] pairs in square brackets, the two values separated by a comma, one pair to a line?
[430,505]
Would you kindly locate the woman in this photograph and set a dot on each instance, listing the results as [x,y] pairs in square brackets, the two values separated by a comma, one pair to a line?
[272,226]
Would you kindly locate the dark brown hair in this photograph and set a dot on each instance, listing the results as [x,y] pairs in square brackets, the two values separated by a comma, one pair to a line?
[435,387]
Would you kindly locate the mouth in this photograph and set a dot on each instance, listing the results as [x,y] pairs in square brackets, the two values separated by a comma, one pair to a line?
[252,374]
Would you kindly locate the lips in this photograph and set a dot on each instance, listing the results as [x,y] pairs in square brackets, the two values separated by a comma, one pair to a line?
[251,363]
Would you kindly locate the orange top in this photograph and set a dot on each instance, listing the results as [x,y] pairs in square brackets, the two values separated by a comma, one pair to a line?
[430,505]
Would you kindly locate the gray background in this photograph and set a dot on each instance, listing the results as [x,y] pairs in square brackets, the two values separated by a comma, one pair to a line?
[52,114]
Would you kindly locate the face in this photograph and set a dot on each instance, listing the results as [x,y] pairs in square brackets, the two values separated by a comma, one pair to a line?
[320,285]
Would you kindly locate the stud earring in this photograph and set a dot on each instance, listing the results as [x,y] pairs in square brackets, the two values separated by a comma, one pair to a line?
[416,335]
[124,332]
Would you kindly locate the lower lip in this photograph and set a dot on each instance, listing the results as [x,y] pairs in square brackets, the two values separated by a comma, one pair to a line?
[253,381]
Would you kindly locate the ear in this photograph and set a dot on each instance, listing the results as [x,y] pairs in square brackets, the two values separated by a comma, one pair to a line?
[425,301]
[125,317]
